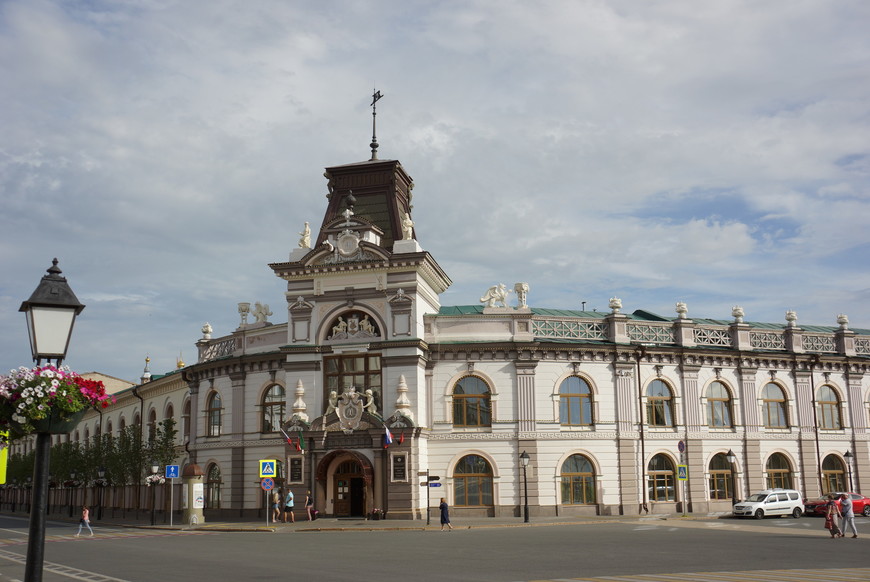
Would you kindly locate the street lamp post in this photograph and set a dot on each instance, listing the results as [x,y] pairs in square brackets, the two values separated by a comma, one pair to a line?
[524,458]
[848,455]
[732,458]
[71,494]
[101,483]
[154,469]
[51,312]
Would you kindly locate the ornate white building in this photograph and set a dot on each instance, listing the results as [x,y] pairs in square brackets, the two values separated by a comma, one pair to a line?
[612,409]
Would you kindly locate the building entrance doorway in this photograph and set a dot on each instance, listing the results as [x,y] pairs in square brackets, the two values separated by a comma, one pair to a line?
[349,490]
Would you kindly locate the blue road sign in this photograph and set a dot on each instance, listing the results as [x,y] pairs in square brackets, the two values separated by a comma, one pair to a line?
[172,471]
[268,467]
[434,484]
[267,483]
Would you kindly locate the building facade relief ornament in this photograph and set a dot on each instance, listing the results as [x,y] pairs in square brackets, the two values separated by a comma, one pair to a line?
[299,406]
[682,310]
[244,311]
[843,321]
[522,290]
[261,312]
[403,404]
[615,304]
[305,237]
[349,409]
[407,227]
[353,325]
[495,294]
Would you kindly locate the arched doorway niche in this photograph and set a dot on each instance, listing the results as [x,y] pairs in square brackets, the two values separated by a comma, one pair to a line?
[345,484]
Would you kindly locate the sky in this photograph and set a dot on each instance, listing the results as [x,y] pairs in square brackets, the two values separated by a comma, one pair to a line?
[166,151]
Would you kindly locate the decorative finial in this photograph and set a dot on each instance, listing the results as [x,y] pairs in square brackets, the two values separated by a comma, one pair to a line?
[791,318]
[682,310]
[843,320]
[615,304]
[374,145]
[737,313]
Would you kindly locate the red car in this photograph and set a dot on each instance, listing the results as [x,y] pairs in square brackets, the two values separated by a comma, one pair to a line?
[860,505]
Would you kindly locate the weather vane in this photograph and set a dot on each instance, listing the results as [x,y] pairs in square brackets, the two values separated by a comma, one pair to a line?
[374,145]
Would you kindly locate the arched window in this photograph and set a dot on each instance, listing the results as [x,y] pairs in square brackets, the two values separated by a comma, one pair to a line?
[87,434]
[170,412]
[779,472]
[213,414]
[109,428]
[578,481]
[575,402]
[273,408]
[828,408]
[472,482]
[185,420]
[661,479]
[213,487]
[774,406]
[122,425]
[718,406]
[152,424]
[833,475]
[659,404]
[471,405]
[720,477]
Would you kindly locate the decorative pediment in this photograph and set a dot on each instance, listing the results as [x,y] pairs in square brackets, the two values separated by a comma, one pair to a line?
[353,325]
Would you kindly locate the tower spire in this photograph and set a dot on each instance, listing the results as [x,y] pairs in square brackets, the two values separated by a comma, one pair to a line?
[374,145]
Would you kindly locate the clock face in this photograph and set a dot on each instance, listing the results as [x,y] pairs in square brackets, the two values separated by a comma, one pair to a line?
[347,244]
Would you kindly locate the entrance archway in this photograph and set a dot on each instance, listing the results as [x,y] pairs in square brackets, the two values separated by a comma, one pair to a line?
[345,477]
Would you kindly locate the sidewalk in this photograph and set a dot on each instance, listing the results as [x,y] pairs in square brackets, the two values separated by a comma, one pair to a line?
[143,520]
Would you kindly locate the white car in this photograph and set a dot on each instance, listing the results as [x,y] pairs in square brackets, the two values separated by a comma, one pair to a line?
[771,502]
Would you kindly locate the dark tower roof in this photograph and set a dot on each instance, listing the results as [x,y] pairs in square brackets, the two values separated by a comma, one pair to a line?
[381,194]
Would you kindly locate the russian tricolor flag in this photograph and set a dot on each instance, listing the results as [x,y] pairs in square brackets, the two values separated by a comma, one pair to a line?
[388,437]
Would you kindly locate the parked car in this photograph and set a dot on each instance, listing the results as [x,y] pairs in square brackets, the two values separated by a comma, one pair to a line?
[771,502]
[860,504]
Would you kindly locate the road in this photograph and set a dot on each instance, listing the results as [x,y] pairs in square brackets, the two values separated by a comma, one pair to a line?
[624,548]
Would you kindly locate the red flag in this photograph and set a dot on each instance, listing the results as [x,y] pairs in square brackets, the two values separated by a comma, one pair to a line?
[402,437]
[298,447]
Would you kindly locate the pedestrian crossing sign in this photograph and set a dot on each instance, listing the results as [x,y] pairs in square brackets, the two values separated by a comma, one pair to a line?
[267,468]
[682,472]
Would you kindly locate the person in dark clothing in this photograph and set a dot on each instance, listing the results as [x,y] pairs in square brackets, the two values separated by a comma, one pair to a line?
[445,515]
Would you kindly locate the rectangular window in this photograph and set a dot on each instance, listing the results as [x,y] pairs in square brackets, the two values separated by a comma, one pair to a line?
[363,372]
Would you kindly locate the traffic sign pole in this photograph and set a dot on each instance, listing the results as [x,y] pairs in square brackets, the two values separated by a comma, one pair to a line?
[171,474]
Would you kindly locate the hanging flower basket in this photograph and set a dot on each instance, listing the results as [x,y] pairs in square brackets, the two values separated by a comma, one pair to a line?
[47,399]
[58,422]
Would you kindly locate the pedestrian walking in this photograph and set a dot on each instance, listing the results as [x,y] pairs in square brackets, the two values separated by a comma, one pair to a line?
[445,515]
[309,505]
[288,507]
[831,517]
[276,507]
[85,520]
[848,514]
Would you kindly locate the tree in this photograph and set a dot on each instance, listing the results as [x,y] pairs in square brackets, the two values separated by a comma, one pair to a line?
[162,449]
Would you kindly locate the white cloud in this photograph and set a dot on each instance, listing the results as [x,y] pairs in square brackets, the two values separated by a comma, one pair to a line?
[167,151]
